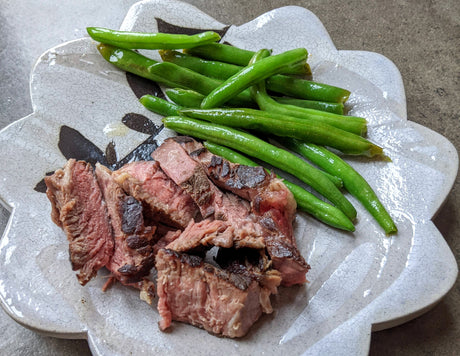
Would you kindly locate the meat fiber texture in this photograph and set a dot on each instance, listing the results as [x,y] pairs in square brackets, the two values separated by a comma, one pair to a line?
[166,214]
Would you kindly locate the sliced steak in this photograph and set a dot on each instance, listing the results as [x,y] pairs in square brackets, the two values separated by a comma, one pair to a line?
[193,291]
[133,256]
[187,174]
[270,200]
[239,230]
[164,200]
[79,209]
[231,222]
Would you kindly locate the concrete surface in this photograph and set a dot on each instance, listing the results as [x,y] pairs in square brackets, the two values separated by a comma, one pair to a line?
[421,37]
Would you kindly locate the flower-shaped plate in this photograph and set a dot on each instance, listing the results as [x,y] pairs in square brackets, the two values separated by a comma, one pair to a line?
[362,281]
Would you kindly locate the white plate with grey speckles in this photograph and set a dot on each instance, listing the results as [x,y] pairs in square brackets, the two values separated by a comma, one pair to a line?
[358,282]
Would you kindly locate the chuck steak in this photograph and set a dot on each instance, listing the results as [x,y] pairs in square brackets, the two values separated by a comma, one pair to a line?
[270,200]
[79,209]
[163,199]
[217,300]
[133,255]
[231,221]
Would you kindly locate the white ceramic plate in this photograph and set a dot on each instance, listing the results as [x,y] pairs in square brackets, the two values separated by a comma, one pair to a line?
[358,282]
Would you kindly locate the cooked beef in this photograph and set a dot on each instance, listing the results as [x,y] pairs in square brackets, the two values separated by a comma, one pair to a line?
[253,263]
[193,291]
[240,229]
[187,174]
[270,200]
[230,220]
[79,209]
[167,214]
[133,256]
[163,200]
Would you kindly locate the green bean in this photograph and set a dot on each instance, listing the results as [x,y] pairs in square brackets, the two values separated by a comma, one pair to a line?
[160,106]
[306,89]
[286,126]
[166,73]
[255,147]
[232,55]
[128,60]
[295,87]
[252,74]
[185,97]
[213,69]
[306,201]
[144,40]
[353,124]
[336,108]
[353,181]
[216,69]
[223,53]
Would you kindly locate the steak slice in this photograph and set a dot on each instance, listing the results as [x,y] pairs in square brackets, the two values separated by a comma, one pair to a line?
[79,209]
[164,201]
[270,200]
[133,256]
[233,224]
[239,230]
[195,292]
[187,174]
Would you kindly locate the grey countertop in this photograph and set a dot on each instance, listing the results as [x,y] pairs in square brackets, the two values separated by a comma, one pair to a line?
[421,37]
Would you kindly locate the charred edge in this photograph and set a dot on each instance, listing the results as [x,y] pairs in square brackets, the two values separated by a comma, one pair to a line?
[191,260]
[132,219]
[197,152]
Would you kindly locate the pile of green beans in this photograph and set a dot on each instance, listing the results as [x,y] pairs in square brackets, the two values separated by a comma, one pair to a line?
[229,96]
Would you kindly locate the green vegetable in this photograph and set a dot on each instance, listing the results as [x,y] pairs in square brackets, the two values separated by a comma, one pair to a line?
[295,87]
[160,106]
[219,70]
[306,89]
[185,97]
[252,74]
[271,154]
[166,73]
[143,40]
[306,201]
[286,126]
[223,53]
[352,180]
[353,124]
[336,108]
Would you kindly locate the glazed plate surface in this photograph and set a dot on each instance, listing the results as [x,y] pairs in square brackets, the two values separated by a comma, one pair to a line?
[83,106]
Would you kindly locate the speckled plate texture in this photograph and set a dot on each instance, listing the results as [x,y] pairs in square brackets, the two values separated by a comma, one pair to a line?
[359,282]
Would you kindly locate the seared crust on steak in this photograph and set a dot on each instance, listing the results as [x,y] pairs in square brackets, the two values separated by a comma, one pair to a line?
[193,291]
[163,199]
[270,200]
[79,209]
[133,256]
